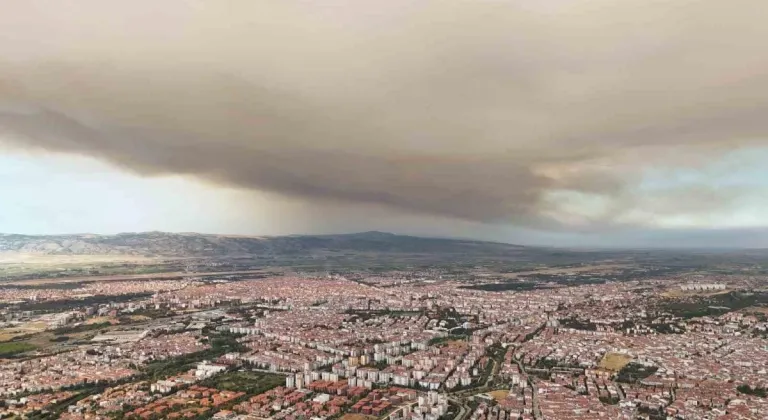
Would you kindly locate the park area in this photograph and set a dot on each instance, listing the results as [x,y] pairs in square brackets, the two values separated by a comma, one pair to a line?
[245,381]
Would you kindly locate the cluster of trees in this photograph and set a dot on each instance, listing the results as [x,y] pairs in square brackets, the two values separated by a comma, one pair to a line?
[757,391]
[714,305]
[503,287]
[634,372]
[578,324]
[50,306]
[248,382]
[81,328]
[447,338]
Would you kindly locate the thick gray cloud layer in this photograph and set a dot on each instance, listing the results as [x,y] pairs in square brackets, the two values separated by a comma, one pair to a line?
[480,110]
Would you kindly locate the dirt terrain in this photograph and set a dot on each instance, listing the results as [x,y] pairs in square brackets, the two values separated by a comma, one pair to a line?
[615,361]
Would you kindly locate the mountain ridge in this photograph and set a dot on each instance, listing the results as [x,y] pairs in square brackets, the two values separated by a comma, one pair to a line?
[190,244]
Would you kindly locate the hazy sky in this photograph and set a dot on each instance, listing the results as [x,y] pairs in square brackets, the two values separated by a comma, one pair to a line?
[580,122]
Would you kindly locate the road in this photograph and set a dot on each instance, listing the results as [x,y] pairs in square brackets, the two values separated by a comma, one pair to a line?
[464,410]
[532,383]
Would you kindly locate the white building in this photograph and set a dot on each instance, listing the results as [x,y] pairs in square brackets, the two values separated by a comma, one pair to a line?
[702,286]
[207,369]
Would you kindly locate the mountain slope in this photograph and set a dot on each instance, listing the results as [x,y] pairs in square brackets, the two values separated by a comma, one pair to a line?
[199,245]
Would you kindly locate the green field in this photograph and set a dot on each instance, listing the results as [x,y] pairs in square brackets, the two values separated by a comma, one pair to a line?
[248,382]
[11,348]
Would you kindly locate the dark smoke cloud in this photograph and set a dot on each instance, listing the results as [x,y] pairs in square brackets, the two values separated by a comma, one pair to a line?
[479,110]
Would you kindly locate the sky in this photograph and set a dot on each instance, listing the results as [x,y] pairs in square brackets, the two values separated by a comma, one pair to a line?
[546,122]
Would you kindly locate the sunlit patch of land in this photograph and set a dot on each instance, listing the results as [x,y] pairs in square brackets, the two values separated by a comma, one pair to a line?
[351,416]
[615,361]
[101,320]
[20,258]
[756,309]
[25,265]
[39,338]
[499,395]
[154,276]
[456,343]
[28,328]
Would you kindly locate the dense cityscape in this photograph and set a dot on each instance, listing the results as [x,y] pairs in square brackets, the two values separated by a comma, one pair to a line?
[586,341]
[383,210]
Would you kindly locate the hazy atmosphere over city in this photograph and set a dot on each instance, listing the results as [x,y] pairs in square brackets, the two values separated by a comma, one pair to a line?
[589,122]
[383,210]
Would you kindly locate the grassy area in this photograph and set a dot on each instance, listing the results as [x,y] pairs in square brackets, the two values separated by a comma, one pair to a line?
[7,334]
[15,347]
[615,361]
[248,382]
[20,266]
[51,342]
[11,334]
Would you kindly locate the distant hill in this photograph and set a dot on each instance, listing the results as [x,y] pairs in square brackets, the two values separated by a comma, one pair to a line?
[201,245]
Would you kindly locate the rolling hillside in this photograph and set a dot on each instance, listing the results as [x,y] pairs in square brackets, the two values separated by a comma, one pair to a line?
[200,245]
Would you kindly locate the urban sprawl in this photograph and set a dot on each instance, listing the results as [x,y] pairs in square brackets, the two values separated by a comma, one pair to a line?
[399,346]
